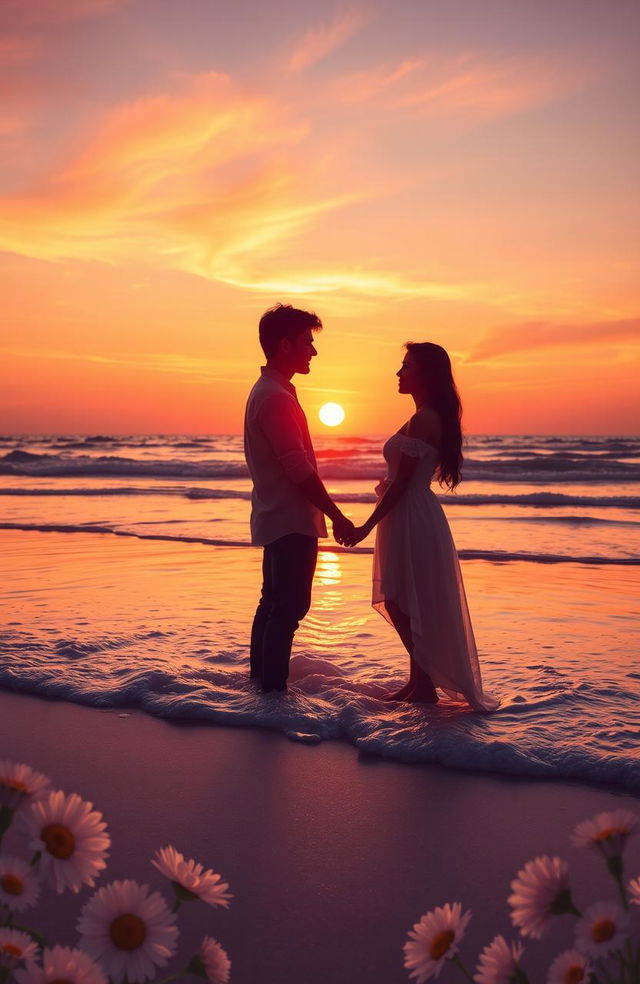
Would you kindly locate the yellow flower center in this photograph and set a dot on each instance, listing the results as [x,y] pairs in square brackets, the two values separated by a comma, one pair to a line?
[11,949]
[608,832]
[11,884]
[127,931]
[14,785]
[603,931]
[573,975]
[441,943]
[59,841]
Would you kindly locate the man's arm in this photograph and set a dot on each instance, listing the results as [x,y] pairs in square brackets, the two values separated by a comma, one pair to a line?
[280,425]
[313,489]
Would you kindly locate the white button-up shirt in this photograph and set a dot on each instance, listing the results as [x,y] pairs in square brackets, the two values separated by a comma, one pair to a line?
[279,454]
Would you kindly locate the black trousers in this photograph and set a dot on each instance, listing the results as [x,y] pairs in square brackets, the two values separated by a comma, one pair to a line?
[288,567]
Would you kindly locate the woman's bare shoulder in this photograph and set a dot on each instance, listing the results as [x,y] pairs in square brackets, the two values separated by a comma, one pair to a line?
[426,426]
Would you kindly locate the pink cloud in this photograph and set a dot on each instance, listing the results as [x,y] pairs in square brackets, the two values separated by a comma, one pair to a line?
[17,50]
[373,82]
[465,85]
[57,11]
[544,335]
[316,44]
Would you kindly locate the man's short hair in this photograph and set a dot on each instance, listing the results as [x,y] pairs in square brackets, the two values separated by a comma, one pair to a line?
[284,321]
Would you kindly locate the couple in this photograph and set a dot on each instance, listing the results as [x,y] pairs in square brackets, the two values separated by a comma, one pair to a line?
[417,584]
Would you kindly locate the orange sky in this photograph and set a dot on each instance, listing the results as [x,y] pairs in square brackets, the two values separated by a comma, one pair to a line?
[463,173]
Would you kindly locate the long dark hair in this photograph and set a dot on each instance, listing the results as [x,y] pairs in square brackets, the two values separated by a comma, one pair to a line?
[442,396]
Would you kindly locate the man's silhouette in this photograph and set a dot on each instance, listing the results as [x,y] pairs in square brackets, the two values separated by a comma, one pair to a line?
[288,499]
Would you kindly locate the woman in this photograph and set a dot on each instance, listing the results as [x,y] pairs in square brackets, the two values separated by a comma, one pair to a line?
[417,583]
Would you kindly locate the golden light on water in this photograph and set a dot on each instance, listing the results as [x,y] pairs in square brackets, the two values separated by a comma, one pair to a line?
[331,414]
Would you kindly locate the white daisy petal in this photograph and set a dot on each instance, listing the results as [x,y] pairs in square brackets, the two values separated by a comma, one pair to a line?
[20,785]
[16,947]
[540,890]
[61,963]
[191,878]
[129,929]
[71,838]
[19,887]
[212,960]
[607,831]
[634,891]
[433,940]
[498,961]
[571,967]
[602,929]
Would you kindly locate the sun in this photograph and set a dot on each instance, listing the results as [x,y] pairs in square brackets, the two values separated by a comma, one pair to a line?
[331,414]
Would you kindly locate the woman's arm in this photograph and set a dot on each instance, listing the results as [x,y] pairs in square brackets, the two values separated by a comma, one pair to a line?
[392,495]
[423,427]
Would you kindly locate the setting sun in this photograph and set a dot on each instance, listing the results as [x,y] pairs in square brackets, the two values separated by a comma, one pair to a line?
[331,414]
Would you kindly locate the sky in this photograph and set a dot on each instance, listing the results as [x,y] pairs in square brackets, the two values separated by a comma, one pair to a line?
[457,171]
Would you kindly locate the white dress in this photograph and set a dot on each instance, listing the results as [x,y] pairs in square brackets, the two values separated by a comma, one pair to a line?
[416,566]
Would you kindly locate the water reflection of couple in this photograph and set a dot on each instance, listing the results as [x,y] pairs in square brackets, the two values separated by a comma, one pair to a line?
[417,584]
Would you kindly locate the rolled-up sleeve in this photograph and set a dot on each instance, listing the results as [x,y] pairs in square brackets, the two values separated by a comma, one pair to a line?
[280,423]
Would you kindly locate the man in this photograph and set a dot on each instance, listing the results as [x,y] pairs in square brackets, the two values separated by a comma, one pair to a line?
[288,501]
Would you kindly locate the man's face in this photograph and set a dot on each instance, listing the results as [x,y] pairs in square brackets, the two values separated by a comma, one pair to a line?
[301,351]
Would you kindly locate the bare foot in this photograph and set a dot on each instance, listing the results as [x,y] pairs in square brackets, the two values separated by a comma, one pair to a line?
[422,695]
[399,694]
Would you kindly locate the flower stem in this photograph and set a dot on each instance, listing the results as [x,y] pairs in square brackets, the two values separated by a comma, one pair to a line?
[459,964]
[33,933]
[615,867]
[6,816]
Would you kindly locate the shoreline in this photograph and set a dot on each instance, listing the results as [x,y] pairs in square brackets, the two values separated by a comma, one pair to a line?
[326,851]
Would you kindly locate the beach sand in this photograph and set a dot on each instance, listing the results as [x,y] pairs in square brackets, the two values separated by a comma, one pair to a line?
[331,856]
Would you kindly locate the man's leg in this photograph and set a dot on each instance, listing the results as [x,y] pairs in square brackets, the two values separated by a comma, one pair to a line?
[292,563]
[260,618]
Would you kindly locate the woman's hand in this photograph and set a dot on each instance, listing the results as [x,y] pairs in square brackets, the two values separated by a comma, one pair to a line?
[359,533]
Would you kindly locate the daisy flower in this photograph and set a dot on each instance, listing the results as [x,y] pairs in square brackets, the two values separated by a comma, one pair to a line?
[129,929]
[211,962]
[634,891]
[570,967]
[190,881]
[607,832]
[15,947]
[62,965]
[498,962]
[70,836]
[20,785]
[602,929]
[433,940]
[540,890]
[19,887]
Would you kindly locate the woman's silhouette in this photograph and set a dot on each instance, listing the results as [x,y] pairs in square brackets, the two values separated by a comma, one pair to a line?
[417,583]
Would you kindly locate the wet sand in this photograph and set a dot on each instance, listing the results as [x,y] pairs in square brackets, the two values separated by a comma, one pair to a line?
[331,856]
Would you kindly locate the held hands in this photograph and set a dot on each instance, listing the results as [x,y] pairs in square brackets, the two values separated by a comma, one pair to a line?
[343,530]
[347,534]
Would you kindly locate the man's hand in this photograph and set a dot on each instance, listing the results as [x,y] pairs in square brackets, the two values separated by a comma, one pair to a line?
[343,530]
[359,533]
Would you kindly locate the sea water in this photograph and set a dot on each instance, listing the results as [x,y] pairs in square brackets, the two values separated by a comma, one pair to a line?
[130,581]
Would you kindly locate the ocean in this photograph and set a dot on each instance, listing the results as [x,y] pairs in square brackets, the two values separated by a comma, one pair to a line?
[130,582]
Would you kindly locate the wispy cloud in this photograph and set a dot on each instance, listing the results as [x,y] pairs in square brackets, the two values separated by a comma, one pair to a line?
[192,368]
[203,178]
[56,11]
[465,85]
[532,335]
[18,49]
[373,82]
[321,41]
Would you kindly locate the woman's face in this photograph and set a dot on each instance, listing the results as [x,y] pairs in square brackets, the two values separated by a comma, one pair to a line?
[409,376]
